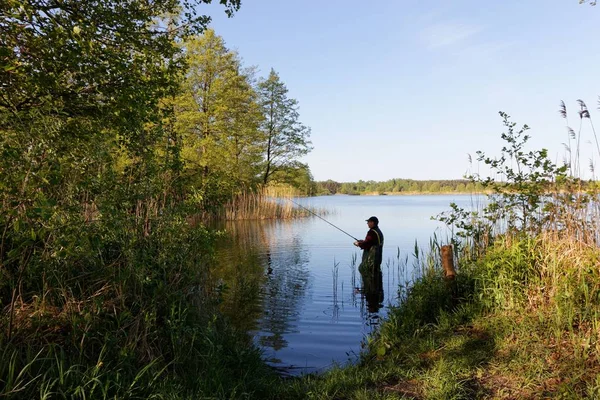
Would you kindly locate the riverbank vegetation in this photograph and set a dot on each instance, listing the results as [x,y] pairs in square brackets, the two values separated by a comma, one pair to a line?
[119,122]
[425,187]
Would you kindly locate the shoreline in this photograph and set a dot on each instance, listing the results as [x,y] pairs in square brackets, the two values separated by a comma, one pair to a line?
[406,194]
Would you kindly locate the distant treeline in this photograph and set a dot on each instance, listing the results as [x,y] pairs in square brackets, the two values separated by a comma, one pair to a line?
[410,186]
[398,186]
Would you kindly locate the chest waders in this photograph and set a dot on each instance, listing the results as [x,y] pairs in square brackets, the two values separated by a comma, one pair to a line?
[370,272]
[372,258]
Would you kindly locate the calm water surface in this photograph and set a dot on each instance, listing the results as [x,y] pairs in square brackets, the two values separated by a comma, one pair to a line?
[290,283]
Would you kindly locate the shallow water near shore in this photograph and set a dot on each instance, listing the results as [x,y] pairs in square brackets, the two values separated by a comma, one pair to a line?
[294,285]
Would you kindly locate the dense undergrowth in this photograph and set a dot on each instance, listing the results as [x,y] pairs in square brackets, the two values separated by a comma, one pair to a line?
[105,160]
[123,316]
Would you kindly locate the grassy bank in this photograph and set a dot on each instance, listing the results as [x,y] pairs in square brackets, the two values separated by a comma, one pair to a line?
[123,304]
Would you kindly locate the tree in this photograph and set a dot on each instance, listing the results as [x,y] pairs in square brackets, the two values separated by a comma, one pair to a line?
[218,116]
[112,58]
[528,176]
[415,187]
[286,138]
[298,177]
[80,90]
[81,85]
[329,186]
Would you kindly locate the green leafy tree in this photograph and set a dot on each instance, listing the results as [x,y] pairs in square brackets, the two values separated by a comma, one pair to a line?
[80,87]
[218,116]
[434,187]
[415,187]
[299,177]
[329,186]
[109,58]
[286,138]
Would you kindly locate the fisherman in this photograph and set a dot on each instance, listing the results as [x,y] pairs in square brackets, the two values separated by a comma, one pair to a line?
[370,266]
[373,244]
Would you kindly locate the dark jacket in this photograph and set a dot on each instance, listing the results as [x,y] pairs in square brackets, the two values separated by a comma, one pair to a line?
[372,249]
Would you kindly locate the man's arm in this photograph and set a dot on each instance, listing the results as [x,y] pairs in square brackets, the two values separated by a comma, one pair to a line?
[369,241]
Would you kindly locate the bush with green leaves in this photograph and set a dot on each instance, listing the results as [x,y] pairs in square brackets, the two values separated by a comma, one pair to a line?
[524,186]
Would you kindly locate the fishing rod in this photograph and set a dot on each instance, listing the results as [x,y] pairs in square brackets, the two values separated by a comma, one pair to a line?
[318,216]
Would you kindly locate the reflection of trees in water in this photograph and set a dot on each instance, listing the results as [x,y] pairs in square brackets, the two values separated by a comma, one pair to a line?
[263,255]
[240,268]
[282,293]
[285,287]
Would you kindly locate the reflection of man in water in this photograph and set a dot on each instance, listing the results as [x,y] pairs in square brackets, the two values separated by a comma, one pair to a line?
[370,266]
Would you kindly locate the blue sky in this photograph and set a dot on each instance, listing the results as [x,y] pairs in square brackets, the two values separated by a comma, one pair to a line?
[406,89]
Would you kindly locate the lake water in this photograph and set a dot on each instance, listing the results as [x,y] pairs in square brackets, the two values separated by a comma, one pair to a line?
[290,283]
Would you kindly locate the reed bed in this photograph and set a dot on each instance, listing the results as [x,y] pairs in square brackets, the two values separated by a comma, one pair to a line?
[271,202]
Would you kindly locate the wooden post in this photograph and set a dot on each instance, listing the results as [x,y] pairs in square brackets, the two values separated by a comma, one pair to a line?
[448,262]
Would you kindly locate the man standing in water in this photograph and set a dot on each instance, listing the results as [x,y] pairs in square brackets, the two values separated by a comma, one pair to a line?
[370,266]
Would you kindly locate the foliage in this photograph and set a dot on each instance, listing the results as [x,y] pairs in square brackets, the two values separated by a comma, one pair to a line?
[217,119]
[525,178]
[109,60]
[105,290]
[525,192]
[233,138]
[122,316]
[286,138]
[398,186]
[297,176]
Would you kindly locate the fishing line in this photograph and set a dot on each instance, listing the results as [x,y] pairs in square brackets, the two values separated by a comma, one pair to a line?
[318,216]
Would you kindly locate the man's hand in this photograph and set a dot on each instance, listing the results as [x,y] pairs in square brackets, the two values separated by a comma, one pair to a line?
[358,242]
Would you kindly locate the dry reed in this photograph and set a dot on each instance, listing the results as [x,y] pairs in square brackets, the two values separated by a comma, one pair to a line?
[272,202]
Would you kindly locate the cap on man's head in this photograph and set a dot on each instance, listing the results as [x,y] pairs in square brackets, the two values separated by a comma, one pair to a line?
[374,219]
